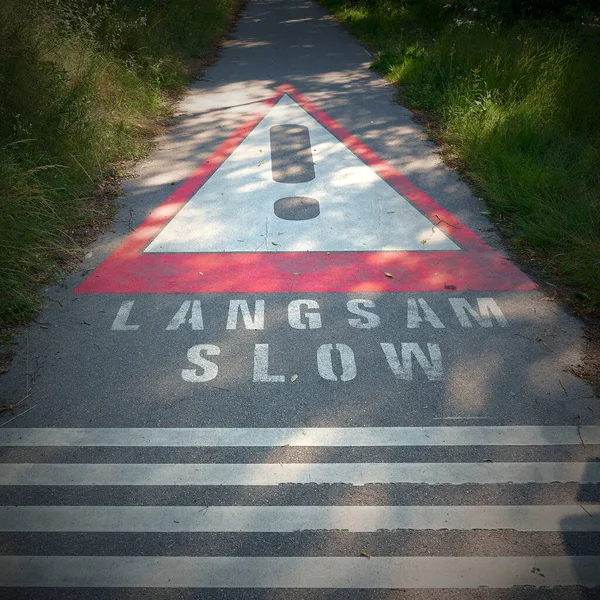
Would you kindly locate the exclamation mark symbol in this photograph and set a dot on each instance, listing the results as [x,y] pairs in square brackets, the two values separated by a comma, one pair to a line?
[292,162]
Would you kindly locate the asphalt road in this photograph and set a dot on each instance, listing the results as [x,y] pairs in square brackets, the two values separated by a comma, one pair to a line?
[299,366]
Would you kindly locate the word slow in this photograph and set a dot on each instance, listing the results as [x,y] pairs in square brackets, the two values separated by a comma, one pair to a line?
[334,362]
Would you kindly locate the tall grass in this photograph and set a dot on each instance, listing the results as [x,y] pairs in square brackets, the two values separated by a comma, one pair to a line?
[515,103]
[83,84]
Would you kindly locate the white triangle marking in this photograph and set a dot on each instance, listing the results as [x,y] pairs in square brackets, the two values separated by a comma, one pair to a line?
[233,210]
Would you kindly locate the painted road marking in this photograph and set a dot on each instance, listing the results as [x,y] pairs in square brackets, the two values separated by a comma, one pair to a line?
[297,208]
[414,313]
[262,519]
[310,436]
[296,572]
[278,473]
[301,572]
[240,222]
[291,153]
[359,211]
[405,360]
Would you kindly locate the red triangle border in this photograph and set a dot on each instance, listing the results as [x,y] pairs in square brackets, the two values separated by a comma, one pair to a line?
[476,267]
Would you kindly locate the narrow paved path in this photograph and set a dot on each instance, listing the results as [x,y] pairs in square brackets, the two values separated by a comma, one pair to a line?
[299,367]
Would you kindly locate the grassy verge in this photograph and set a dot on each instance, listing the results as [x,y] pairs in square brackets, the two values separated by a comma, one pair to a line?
[513,100]
[84,84]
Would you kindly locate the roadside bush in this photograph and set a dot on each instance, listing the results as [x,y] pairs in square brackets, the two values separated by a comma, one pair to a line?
[83,83]
[515,104]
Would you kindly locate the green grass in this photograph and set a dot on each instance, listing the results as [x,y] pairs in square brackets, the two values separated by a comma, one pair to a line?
[515,104]
[84,85]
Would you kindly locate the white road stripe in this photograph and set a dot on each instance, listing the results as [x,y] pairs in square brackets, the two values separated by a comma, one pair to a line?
[296,518]
[325,436]
[294,572]
[274,474]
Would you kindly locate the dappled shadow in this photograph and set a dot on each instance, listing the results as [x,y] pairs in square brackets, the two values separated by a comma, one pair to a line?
[573,529]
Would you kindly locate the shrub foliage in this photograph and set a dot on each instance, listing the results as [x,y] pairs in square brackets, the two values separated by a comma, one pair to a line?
[83,83]
[512,89]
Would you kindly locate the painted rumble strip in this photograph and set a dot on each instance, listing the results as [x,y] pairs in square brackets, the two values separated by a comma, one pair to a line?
[278,473]
[407,234]
[294,572]
[322,436]
[260,519]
